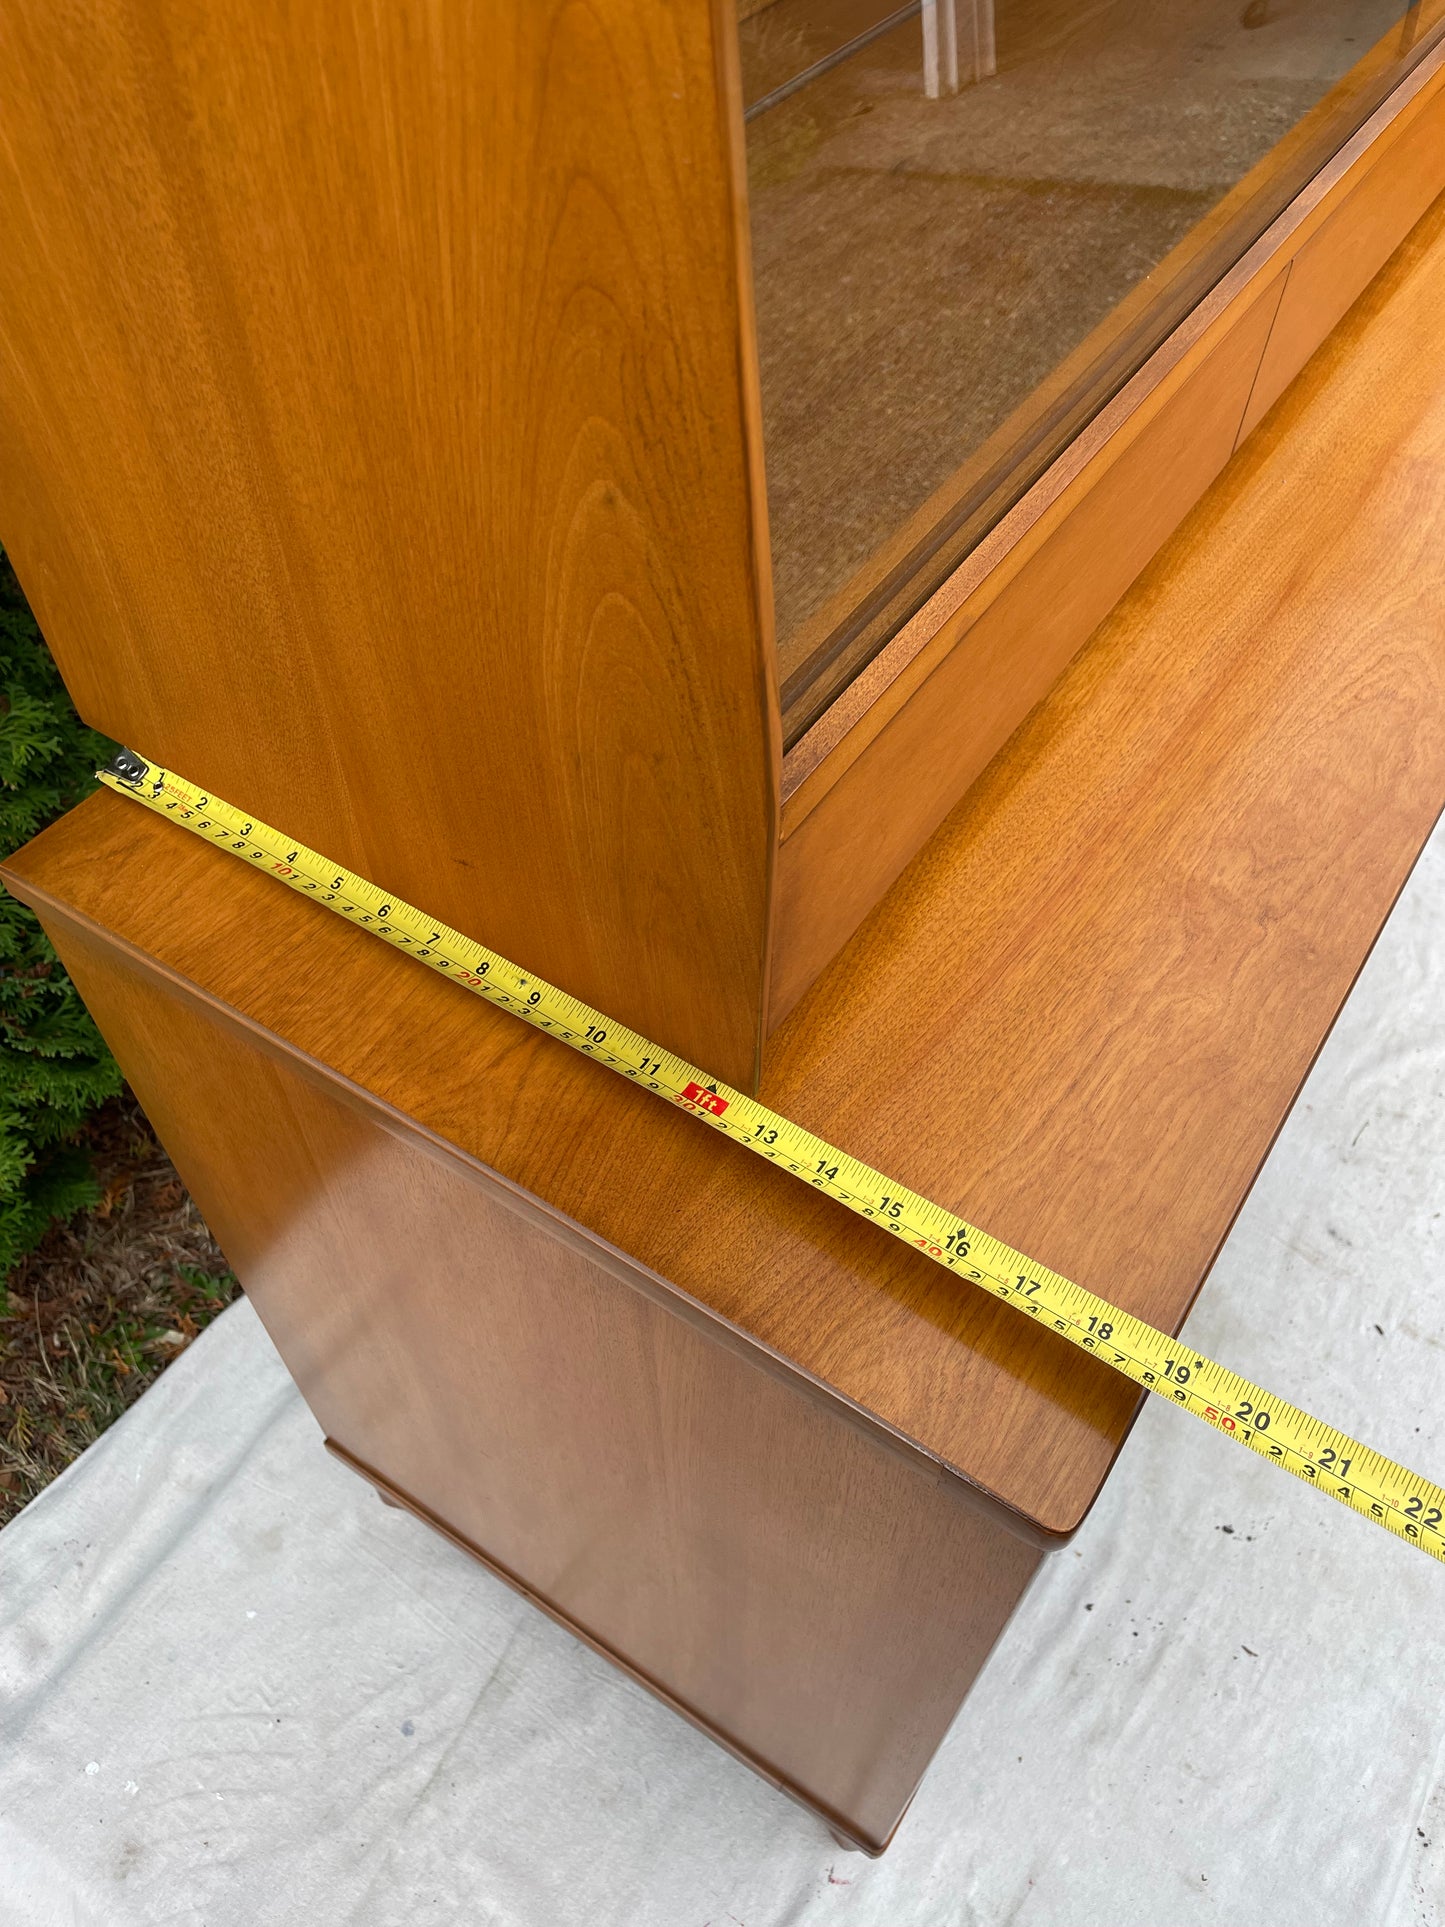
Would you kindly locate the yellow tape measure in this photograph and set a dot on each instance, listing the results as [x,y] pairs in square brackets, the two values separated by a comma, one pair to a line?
[1358,1477]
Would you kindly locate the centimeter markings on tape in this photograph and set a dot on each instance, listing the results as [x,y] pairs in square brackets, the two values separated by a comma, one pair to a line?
[1359,1477]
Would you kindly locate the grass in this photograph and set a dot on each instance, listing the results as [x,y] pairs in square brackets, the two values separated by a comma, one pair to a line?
[102,1306]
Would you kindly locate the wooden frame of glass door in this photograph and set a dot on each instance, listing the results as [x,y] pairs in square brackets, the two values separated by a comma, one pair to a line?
[868,784]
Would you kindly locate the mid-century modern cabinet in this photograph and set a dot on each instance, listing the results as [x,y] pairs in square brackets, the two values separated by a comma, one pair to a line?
[620,474]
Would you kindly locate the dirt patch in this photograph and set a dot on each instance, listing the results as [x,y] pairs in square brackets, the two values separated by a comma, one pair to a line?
[102,1307]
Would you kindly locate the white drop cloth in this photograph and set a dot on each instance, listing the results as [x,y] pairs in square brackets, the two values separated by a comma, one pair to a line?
[239,1692]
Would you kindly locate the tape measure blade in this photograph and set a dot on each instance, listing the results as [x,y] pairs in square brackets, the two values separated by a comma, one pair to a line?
[1411,1508]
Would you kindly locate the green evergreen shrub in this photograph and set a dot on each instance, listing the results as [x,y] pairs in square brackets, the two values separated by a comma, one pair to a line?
[54,1065]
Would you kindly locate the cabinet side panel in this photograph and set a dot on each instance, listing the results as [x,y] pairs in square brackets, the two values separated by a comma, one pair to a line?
[374,393]
[817,1598]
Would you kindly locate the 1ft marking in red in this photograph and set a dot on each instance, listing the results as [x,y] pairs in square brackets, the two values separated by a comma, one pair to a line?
[702,1100]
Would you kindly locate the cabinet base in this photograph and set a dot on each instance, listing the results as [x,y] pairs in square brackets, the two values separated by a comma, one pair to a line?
[399,1501]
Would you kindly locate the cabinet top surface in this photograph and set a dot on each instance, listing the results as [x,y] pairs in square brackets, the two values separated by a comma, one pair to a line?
[1079,1018]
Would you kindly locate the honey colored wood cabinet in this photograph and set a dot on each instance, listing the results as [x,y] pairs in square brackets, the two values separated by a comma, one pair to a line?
[766,1558]
[394,408]
[776,1464]
[384,412]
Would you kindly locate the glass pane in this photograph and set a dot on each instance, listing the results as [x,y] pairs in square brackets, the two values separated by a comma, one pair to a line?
[948,288]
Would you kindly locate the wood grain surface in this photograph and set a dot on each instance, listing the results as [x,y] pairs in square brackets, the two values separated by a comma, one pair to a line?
[1405,172]
[818,1599]
[1005,649]
[1079,1017]
[380,435]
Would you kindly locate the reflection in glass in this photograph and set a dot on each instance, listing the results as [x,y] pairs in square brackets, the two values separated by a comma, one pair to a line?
[949,287]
